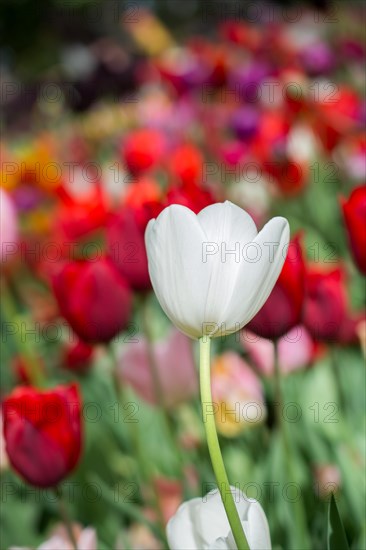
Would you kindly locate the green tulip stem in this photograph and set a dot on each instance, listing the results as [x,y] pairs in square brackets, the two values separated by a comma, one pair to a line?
[214,446]
[64,514]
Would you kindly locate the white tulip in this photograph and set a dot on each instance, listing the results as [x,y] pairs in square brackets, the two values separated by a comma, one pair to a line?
[214,271]
[201,524]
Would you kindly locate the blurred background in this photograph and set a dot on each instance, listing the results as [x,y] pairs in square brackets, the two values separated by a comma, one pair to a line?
[111,111]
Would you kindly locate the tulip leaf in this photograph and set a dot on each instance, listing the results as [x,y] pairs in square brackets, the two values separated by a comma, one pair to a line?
[337,539]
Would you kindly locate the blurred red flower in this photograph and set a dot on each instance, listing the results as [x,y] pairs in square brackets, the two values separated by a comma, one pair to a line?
[283,309]
[79,216]
[325,307]
[186,164]
[126,246]
[194,197]
[337,114]
[145,198]
[354,212]
[289,176]
[43,433]
[142,150]
[145,191]
[94,299]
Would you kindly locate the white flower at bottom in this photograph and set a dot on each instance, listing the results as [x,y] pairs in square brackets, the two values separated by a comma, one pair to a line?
[202,524]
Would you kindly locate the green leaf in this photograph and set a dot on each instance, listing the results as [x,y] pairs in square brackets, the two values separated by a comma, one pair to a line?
[336,534]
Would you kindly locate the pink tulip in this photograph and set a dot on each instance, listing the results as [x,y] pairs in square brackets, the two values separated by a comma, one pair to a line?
[8,226]
[328,479]
[175,368]
[295,350]
[237,394]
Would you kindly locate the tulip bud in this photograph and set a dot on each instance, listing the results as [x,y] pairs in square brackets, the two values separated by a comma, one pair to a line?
[327,479]
[42,431]
[354,212]
[94,299]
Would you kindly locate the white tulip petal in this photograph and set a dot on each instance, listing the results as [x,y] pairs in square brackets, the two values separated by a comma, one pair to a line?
[256,528]
[179,530]
[174,249]
[224,543]
[212,519]
[228,229]
[227,221]
[256,279]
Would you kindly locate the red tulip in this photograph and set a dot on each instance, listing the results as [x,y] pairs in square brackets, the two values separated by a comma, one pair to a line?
[283,309]
[80,216]
[193,197]
[94,299]
[144,192]
[325,307]
[354,212]
[145,198]
[187,164]
[142,150]
[336,116]
[126,247]
[42,431]
[289,176]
